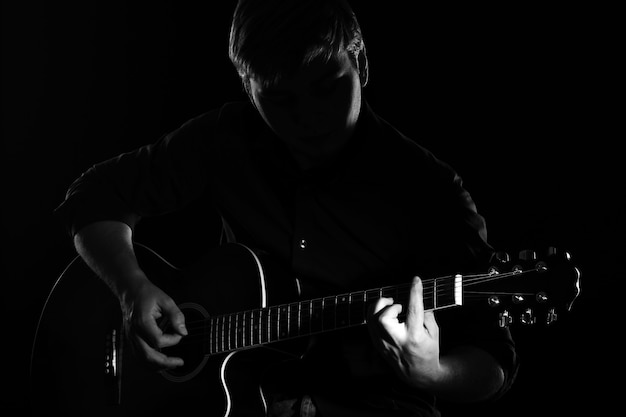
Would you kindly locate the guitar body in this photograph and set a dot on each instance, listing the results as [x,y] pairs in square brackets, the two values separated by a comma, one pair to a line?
[81,365]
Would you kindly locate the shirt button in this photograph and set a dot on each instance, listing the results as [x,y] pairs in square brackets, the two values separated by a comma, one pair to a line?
[302,244]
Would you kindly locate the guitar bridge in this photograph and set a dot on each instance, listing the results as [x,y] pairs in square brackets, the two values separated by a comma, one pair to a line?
[112,366]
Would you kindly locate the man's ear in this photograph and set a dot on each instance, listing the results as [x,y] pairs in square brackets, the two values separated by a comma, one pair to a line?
[363,67]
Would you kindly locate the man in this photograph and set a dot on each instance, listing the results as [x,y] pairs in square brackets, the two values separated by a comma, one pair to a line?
[309,174]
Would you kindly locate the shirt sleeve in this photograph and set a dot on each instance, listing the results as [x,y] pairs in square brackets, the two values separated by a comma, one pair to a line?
[152,180]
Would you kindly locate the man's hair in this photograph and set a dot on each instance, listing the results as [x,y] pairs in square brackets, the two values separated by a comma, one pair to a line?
[271,39]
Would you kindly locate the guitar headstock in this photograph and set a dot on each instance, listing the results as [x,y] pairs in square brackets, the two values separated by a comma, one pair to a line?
[534,288]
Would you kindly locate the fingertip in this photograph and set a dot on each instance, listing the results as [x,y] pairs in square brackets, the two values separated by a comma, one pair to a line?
[417,283]
[384,302]
[379,305]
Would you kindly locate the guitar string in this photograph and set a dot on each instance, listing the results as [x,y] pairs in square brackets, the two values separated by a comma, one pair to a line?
[226,340]
[276,317]
[400,292]
[440,288]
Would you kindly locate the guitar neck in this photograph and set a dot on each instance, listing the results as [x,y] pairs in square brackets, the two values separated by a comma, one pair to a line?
[252,328]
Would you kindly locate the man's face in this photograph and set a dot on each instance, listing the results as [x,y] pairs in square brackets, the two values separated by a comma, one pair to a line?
[314,111]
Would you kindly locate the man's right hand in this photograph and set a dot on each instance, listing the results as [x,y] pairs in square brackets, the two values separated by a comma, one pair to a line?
[153,322]
[152,319]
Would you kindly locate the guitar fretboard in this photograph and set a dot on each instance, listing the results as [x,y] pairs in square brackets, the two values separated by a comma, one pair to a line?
[250,328]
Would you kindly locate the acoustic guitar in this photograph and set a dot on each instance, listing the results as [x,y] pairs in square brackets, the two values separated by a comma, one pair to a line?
[238,327]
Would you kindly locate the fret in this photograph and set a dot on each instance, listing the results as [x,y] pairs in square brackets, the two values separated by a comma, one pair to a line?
[295,319]
[225,333]
[283,322]
[358,315]
[229,333]
[222,333]
[255,327]
[247,328]
[234,331]
[237,318]
[273,324]
[265,325]
[316,315]
[342,311]
[305,317]
[328,313]
[370,298]
[239,333]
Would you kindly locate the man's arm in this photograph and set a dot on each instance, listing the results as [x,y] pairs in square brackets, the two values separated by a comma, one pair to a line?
[107,247]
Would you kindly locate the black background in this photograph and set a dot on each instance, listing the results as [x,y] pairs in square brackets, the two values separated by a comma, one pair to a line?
[520,99]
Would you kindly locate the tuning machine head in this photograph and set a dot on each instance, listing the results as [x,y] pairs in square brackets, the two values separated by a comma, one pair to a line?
[505,319]
[527,317]
[551,316]
[527,255]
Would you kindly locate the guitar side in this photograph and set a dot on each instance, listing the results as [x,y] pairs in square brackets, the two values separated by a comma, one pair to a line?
[82,366]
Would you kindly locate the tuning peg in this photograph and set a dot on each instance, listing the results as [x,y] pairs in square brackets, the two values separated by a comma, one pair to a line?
[505,319]
[501,258]
[541,267]
[556,252]
[527,317]
[527,255]
[493,270]
[493,301]
[551,317]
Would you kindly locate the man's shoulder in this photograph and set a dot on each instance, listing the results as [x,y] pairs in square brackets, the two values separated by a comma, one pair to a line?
[392,136]
[209,128]
[406,152]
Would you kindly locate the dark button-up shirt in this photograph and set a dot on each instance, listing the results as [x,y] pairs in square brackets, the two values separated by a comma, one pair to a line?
[381,211]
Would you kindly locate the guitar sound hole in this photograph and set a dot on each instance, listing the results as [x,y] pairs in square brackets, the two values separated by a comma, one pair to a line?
[191,347]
